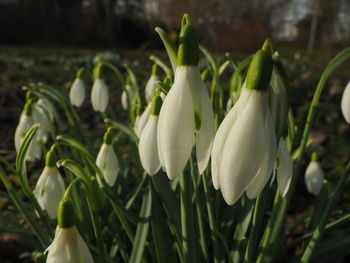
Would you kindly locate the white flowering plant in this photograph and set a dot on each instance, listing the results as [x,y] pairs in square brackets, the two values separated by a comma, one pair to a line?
[203,170]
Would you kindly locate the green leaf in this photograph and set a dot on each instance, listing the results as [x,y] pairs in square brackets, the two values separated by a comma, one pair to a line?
[142,229]
[170,47]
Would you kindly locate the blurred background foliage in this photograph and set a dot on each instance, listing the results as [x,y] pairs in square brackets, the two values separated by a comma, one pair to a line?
[48,40]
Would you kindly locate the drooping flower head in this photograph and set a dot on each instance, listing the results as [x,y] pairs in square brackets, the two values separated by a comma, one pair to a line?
[345,103]
[99,92]
[49,189]
[127,94]
[107,160]
[77,90]
[186,112]
[68,246]
[26,121]
[151,85]
[148,145]
[314,176]
[244,147]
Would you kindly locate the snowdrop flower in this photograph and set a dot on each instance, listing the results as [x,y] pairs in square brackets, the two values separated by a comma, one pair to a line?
[186,111]
[244,147]
[148,147]
[107,161]
[141,121]
[127,95]
[151,85]
[42,116]
[77,92]
[68,246]
[26,121]
[314,176]
[99,95]
[345,103]
[284,167]
[49,189]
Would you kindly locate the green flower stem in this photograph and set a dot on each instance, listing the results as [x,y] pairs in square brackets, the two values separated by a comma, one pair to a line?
[259,209]
[92,204]
[199,211]
[322,223]
[212,223]
[187,218]
[281,204]
[161,64]
[43,238]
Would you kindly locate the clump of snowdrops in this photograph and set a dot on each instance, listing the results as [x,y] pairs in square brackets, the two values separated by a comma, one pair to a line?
[208,174]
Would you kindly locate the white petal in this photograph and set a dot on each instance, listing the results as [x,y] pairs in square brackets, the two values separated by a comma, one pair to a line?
[314,178]
[268,159]
[151,87]
[285,168]
[68,247]
[47,105]
[221,136]
[99,95]
[176,126]
[205,135]
[148,148]
[345,103]
[25,123]
[143,120]
[77,93]
[125,103]
[244,154]
[49,190]
[108,163]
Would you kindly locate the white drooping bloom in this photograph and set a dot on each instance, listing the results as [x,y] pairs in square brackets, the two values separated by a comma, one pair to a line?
[127,96]
[77,93]
[244,148]
[177,123]
[41,115]
[49,190]
[314,178]
[108,163]
[345,103]
[99,95]
[141,121]
[24,125]
[284,168]
[151,87]
[68,247]
[148,147]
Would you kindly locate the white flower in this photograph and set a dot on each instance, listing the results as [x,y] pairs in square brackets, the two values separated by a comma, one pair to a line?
[244,148]
[284,168]
[151,87]
[141,121]
[108,163]
[99,95]
[127,96]
[77,92]
[44,103]
[148,148]
[68,247]
[41,116]
[24,125]
[314,178]
[176,126]
[345,103]
[49,190]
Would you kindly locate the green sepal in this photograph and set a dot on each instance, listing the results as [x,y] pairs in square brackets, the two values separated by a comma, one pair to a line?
[51,159]
[314,157]
[156,104]
[188,52]
[66,214]
[259,71]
